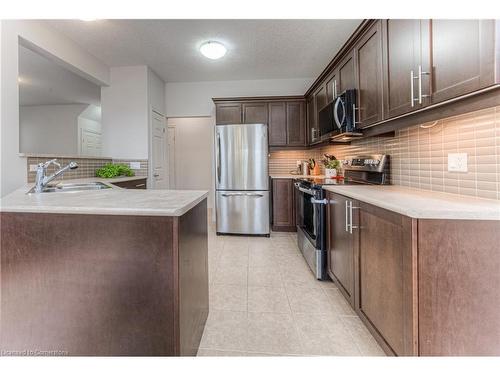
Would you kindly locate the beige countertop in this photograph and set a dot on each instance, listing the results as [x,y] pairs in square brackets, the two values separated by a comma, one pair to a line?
[114,201]
[422,204]
[289,175]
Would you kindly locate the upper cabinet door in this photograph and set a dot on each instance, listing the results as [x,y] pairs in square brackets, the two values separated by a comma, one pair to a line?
[402,39]
[462,57]
[277,124]
[255,113]
[295,124]
[331,87]
[228,113]
[345,74]
[368,58]
[311,118]
[319,97]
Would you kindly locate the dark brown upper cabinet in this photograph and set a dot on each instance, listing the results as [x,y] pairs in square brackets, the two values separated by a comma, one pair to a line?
[319,98]
[331,87]
[369,79]
[255,113]
[345,74]
[311,118]
[228,113]
[295,124]
[402,56]
[277,124]
[462,57]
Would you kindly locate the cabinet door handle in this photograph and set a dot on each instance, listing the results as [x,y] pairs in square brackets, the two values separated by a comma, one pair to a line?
[412,79]
[420,74]
[351,227]
[347,216]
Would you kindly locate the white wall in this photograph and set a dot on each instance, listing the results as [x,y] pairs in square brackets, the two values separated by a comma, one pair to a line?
[66,52]
[49,129]
[194,148]
[125,113]
[186,99]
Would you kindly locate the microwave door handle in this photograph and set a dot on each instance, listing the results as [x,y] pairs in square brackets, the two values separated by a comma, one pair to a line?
[335,113]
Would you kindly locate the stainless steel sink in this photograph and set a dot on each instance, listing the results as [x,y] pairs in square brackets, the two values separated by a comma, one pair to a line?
[60,188]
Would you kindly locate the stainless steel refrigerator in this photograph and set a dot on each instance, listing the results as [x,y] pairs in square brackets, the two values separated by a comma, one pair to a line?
[242,181]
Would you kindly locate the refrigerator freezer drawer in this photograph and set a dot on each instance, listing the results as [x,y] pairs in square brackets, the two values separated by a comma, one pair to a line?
[243,212]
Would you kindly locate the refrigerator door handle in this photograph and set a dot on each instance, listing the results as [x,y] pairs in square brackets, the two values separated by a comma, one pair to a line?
[242,195]
[218,158]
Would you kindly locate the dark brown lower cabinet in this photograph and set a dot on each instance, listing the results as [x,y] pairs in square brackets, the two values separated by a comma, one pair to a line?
[103,285]
[132,184]
[459,287]
[283,205]
[340,245]
[384,261]
[422,287]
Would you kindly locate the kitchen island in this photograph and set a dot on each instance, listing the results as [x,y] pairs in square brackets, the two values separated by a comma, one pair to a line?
[106,273]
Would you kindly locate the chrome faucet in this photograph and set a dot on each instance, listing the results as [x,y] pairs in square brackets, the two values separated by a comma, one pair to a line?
[42,180]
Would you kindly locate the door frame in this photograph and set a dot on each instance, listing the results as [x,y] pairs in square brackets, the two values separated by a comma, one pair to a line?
[150,182]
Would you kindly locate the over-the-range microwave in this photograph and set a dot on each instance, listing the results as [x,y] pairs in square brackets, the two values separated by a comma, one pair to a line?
[337,120]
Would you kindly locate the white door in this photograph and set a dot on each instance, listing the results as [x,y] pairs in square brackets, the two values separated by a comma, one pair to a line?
[171,156]
[91,143]
[158,154]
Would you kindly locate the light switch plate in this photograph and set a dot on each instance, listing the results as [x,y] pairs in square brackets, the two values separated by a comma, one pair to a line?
[135,165]
[33,167]
[457,162]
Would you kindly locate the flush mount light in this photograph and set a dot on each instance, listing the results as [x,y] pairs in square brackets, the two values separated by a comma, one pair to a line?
[88,19]
[213,50]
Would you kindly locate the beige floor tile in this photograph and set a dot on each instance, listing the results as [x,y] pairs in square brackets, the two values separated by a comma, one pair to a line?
[264,276]
[267,299]
[272,333]
[299,275]
[225,330]
[228,297]
[263,258]
[324,334]
[339,303]
[231,275]
[233,257]
[362,337]
[308,300]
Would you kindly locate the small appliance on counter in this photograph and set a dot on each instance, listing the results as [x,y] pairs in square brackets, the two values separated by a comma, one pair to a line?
[311,204]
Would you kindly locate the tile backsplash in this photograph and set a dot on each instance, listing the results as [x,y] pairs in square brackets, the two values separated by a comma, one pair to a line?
[86,166]
[419,154]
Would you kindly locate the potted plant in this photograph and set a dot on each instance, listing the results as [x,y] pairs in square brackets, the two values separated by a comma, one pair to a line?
[332,165]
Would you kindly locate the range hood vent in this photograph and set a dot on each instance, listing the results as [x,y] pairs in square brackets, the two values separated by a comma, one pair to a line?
[346,136]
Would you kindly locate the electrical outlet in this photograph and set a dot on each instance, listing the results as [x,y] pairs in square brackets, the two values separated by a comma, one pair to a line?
[135,165]
[33,167]
[457,162]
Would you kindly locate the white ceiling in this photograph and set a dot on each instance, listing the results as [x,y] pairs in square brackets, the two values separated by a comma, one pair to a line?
[257,49]
[43,82]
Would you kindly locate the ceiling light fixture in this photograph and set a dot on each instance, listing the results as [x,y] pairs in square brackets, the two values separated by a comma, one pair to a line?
[89,19]
[213,50]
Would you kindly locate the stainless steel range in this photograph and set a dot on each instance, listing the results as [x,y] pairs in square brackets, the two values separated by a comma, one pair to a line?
[311,204]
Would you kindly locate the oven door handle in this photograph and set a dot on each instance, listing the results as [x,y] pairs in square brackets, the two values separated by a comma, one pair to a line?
[319,201]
